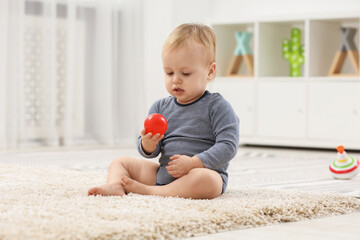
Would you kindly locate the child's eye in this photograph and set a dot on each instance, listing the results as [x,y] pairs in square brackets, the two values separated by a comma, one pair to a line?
[186,74]
[169,73]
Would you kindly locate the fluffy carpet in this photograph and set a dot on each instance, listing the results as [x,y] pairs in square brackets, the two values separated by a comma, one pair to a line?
[45,203]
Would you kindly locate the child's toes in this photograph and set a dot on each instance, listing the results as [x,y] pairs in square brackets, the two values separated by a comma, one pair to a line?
[92,191]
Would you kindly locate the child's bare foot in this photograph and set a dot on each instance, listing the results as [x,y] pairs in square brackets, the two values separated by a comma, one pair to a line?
[114,189]
[132,186]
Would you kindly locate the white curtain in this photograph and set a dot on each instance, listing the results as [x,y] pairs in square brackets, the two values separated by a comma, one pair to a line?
[68,72]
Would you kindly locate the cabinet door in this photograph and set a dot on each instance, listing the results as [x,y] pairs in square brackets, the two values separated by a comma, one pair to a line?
[281,109]
[240,94]
[334,111]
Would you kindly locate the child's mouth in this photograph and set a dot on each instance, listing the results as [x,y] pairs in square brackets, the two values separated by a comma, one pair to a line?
[178,91]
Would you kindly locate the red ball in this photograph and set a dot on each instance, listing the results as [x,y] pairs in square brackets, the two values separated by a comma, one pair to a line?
[155,123]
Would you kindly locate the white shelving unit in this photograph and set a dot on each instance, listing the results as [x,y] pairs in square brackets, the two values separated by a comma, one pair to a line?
[313,110]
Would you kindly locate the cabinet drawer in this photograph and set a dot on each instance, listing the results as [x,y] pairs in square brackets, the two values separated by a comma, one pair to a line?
[334,111]
[241,96]
[281,110]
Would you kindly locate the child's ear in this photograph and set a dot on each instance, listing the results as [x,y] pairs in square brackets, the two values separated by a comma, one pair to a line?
[212,71]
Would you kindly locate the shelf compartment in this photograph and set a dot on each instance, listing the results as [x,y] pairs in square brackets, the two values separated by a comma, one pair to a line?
[325,41]
[271,35]
[226,44]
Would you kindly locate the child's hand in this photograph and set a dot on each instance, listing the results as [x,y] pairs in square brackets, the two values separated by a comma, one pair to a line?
[180,165]
[149,141]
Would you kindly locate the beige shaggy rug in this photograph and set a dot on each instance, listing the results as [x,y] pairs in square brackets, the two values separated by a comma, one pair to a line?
[46,203]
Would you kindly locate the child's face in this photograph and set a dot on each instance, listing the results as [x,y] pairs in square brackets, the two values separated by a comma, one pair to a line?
[187,72]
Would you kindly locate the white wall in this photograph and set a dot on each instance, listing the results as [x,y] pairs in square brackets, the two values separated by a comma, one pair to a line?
[160,18]
[253,8]
[157,25]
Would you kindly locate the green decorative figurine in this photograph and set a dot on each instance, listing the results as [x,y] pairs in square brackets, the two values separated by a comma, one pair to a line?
[293,51]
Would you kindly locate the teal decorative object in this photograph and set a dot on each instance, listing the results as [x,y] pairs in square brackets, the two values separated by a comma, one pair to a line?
[293,51]
[242,52]
[243,43]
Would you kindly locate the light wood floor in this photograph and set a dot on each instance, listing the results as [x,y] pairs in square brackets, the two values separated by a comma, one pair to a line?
[287,168]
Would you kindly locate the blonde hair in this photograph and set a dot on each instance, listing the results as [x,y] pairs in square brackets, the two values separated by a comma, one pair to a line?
[192,31]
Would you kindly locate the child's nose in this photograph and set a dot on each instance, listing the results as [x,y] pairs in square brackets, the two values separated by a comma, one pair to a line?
[177,79]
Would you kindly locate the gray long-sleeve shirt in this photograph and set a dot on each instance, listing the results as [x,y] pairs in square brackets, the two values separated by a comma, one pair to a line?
[207,128]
